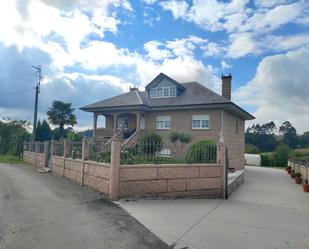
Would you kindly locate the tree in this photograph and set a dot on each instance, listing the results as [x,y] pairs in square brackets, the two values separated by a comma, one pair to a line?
[262,136]
[61,114]
[12,135]
[43,131]
[289,134]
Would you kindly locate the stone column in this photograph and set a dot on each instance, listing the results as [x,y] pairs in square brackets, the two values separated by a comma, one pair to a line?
[52,148]
[115,123]
[37,146]
[222,161]
[138,121]
[85,149]
[114,170]
[65,148]
[95,123]
[46,153]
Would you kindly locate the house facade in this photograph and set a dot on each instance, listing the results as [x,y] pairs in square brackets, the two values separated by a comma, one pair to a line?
[167,105]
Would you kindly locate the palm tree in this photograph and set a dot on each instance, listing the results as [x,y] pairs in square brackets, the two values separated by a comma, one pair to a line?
[61,114]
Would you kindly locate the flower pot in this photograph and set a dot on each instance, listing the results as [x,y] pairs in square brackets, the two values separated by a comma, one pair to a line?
[289,171]
[298,180]
[306,187]
[293,175]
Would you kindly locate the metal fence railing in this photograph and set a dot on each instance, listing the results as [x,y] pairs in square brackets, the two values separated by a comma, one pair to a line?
[26,146]
[40,147]
[100,152]
[75,150]
[32,147]
[58,148]
[153,152]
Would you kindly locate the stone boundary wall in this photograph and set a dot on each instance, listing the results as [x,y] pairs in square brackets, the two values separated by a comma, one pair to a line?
[89,173]
[36,159]
[143,180]
[170,180]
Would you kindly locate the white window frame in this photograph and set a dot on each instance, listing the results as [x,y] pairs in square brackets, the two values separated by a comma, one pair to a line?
[198,122]
[163,122]
[159,92]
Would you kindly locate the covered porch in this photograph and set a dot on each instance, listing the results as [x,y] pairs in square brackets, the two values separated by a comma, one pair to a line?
[119,124]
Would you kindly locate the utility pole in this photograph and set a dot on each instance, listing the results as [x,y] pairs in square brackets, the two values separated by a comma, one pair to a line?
[36,102]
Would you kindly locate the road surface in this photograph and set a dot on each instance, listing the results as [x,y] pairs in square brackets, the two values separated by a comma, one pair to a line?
[44,211]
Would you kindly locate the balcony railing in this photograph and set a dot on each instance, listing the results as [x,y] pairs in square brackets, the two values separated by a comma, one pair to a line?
[109,133]
[104,133]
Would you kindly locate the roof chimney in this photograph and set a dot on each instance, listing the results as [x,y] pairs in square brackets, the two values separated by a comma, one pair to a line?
[133,88]
[226,86]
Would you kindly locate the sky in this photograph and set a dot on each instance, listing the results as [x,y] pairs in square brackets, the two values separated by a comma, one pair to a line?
[94,49]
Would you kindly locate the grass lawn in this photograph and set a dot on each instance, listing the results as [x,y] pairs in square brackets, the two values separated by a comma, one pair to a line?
[10,159]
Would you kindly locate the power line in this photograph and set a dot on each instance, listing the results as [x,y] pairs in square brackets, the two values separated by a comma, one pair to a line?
[15,92]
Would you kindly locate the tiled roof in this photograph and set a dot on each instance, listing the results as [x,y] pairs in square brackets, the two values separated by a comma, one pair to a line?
[194,94]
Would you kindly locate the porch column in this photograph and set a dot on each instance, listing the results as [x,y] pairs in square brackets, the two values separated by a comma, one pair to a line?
[95,120]
[115,123]
[138,121]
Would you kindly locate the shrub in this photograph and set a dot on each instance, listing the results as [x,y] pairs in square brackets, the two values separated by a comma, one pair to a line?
[251,149]
[282,155]
[202,152]
[304,152]
[150,143]
[174,136]
[185,137]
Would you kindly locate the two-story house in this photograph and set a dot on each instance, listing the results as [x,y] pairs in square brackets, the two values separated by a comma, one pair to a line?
[168,105]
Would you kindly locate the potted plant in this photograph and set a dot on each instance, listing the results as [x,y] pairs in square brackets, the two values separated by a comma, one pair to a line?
[298,178]
[306,186]
[292,174]
[288,169]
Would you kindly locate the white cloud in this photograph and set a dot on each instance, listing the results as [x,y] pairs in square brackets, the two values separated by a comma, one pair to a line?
[246,25]
[179,9]
[244,44]
[225,65]
[270,19]
[279,89]
[212,49]
[237,15]
[155,52]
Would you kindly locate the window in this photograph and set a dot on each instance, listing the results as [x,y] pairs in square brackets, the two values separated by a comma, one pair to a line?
[159,92]
[153,93]
[173,91]
[200,122]
[236,127]
[163,122]
[162,92]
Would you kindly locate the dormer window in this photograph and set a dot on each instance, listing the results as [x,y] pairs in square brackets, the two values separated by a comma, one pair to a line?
[162,92]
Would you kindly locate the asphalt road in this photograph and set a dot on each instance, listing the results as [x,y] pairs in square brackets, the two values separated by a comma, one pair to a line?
[44,211]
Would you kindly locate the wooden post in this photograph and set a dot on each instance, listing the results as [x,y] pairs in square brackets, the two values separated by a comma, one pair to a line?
[114,170]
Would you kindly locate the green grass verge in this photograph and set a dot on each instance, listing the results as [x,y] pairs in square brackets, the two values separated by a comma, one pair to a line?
[11,159]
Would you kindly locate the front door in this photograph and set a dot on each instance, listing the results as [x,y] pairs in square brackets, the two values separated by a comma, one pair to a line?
[123,123]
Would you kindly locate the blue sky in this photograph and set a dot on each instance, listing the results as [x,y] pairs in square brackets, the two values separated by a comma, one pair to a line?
[91,50]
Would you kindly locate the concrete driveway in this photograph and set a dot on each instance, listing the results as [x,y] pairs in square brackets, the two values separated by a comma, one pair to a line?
[49,212]
[269,211]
